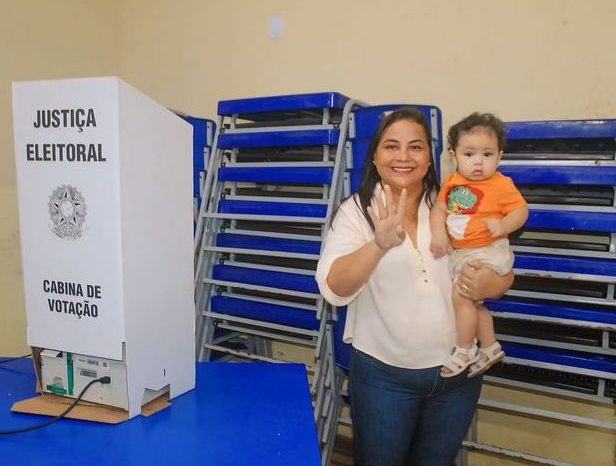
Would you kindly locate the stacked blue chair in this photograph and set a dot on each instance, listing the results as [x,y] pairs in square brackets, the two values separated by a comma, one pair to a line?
[203,139]
[274,176]
[335,395]
[558,322]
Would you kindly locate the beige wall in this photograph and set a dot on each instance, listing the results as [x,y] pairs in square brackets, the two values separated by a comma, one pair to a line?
[41,40]
[528,59]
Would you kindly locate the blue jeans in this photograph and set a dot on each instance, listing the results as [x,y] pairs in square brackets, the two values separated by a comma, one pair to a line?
[410,417]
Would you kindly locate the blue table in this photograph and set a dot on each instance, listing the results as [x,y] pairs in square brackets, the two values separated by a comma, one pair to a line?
[240,414]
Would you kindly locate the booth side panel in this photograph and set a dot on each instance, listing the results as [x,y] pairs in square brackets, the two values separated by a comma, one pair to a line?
[157,246]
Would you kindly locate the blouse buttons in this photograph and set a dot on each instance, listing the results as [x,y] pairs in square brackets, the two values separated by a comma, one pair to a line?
[423,266]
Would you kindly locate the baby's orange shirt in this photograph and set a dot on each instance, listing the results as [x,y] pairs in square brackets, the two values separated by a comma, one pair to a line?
[479,200]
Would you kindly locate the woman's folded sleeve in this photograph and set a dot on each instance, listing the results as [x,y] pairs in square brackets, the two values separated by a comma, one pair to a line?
[344,237]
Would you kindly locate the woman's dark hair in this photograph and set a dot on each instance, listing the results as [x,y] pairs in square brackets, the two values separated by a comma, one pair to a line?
[371,176]
[474,120]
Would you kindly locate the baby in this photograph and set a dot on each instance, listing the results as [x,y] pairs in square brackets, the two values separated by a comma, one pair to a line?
[476,208]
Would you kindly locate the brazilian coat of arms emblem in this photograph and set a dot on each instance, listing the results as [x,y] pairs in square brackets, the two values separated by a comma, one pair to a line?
[67,209]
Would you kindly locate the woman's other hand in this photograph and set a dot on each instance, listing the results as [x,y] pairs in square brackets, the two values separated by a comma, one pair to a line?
[477,281]
[388,220]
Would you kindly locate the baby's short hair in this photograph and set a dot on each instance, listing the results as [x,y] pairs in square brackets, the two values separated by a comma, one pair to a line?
[485,120]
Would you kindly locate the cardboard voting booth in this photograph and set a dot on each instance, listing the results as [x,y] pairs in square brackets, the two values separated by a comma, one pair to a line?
[105,204]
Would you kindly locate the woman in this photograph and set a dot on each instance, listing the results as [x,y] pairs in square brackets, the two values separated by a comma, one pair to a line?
[376,259]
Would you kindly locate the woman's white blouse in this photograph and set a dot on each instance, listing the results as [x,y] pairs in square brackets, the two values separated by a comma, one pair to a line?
[403,315]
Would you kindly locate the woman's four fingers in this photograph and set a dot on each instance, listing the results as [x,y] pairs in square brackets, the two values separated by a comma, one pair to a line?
[388,219]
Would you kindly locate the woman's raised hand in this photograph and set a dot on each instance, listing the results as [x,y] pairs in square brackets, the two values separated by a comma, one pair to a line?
[388,220]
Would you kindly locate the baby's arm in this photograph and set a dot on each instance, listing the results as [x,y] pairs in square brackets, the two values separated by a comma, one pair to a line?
[439,245]
[509,223]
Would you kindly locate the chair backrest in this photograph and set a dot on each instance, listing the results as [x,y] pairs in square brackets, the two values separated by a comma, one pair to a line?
[342,350]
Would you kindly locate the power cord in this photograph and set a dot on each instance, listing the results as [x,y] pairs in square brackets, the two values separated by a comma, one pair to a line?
[15,359]
[102,380]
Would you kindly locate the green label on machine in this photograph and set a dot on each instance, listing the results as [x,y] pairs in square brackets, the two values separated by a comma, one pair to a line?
[69,370]
[56,390]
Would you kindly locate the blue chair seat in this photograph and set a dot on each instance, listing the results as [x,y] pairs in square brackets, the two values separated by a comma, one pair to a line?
[293,175]
[567,265]
[240,241]
[273,313]
[561,129]
[280,280]
[573,359]
[560,175]
[552,311]
[567,220]
[289,209]
[282,103]
[296,138]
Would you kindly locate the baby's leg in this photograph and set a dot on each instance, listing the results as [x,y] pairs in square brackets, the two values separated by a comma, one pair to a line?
[499,258]
[465,351]
[491,351]
[485,326]
[465,309]
[467,319]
